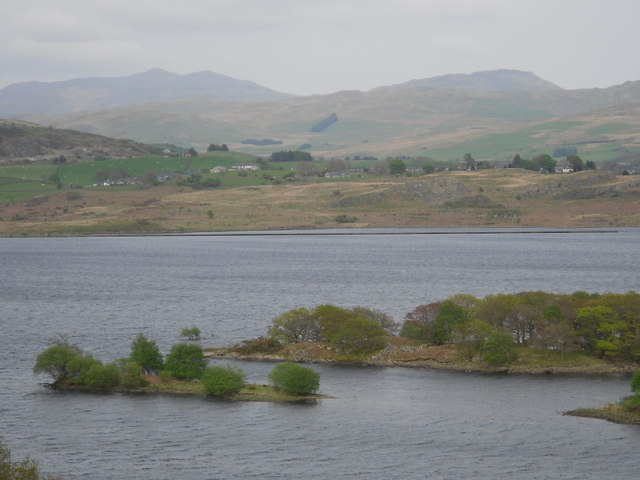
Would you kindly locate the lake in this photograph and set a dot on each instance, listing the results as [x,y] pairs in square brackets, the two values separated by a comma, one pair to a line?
[381,422]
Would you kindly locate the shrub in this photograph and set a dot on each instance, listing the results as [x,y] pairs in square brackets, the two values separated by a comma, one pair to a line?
[222,381]
[130,374]
[258,345]
[295,379]
[101,377]
[186,361]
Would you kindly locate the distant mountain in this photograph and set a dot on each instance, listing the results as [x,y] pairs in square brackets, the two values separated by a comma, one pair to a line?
[88,94]
[487,81]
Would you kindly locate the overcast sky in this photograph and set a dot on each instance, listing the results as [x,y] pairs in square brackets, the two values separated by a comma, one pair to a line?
[322,46]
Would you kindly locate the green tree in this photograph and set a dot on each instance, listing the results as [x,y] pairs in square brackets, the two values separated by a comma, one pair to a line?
[359,335]
[145,353]
[448,317]
[498,349]
[186,361]
[55,361]
[297,325]
[222,381]
[295,379]
[396,166]
[192,333]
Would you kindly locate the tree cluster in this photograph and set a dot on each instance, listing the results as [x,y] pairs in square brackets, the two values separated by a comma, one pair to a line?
[356,330]
[291,156]
[214,147]
[605,326]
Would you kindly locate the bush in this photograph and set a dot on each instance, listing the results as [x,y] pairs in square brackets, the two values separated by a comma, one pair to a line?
[101,377]
[258,345]
[186,361]
[130,374]
[295,379]
[635,382]
[222,381]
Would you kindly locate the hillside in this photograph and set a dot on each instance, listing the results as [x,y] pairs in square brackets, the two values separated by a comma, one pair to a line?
[87,94]
[439,123]
[486,198]
[28,141]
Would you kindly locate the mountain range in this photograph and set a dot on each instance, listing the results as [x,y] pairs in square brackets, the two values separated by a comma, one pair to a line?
[492,114]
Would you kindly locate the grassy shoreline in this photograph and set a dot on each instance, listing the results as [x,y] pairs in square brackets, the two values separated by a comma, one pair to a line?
[248,393]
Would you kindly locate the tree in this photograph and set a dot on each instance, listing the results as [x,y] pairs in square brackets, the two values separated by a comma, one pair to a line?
[576,163]
[448,317]
[297,325]
[222,381]
[145,353]
[186,361]
[192,333]
[590,165]
[55,361]
[470,162]
[544,163]
[359,335]
[396,166]
[517,162]
[291,156]
[384,320]
[295,379]
[498,349]
[214,147]
[419,322]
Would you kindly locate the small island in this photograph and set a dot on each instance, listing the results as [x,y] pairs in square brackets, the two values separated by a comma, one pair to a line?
[183,372]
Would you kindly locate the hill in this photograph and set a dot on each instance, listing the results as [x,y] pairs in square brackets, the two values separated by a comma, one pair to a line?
[29,141]
[86,94]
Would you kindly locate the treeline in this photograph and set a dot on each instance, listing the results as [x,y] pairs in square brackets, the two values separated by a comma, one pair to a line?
[605,326]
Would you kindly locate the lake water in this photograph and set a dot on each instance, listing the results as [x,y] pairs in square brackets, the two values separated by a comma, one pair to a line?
[382,422]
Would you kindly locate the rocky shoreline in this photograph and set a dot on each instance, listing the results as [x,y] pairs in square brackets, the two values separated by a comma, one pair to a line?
[443,357]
